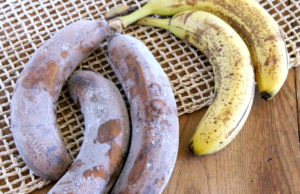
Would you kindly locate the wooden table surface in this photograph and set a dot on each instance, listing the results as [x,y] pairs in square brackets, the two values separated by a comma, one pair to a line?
[264,158]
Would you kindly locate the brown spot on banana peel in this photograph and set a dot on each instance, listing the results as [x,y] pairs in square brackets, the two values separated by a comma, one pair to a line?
[229,76]
[270,61]
[64,54]
[236,64]
[271,38]
[135,73]
[139,166]
[43,76]
[115,153]
[109,130]
[191,2]
[96,172]
[242,32]
[157,106]
[226,115]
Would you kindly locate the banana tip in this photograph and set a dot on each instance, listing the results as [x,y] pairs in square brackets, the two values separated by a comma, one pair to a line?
[266,95]
[191,147]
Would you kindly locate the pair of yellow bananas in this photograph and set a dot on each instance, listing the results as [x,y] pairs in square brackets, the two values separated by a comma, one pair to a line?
[210,26]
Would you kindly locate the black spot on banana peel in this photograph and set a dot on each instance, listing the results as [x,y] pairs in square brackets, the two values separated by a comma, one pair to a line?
[33,105]
[254,24]
[234,76]
[154,118]
[106,136]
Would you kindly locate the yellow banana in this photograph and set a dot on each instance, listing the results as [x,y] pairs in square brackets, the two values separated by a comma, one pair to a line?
[234,76]
[258,29]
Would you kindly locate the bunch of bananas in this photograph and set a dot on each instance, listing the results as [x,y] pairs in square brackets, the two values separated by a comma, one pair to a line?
[237,36]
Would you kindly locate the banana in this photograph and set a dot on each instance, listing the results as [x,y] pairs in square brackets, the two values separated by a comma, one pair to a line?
[155,136]
[106,136]
[234,75]
[258,29]
[33,104]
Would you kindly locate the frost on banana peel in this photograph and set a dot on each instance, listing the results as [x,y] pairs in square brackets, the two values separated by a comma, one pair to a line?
[234,76]
[33,104]
[154,121]
[258,29]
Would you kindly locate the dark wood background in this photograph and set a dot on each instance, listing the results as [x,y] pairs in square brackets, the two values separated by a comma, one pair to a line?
[263,159]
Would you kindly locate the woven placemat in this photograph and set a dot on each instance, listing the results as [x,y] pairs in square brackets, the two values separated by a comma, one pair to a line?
[26,25]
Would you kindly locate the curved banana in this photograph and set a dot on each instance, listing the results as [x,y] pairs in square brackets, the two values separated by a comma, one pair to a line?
[33,104]
[154,143]
[234,76]
[258,29]
[106,137]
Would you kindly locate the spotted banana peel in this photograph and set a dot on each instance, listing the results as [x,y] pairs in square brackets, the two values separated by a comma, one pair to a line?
[234,75]
[258,29]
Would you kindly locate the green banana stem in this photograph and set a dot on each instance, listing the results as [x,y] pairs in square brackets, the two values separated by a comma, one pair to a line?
[138,14]
[155,22]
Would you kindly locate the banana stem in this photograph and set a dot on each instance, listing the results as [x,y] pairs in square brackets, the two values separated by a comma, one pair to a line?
[156,22]
[138,14]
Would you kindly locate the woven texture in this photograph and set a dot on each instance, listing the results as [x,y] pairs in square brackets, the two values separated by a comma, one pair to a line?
[26,25]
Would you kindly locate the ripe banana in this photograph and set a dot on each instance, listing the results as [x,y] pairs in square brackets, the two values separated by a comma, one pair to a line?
[234,76]
[258,29]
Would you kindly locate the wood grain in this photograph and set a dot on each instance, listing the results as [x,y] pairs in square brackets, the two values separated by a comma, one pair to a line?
[264,158]
[297,82]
